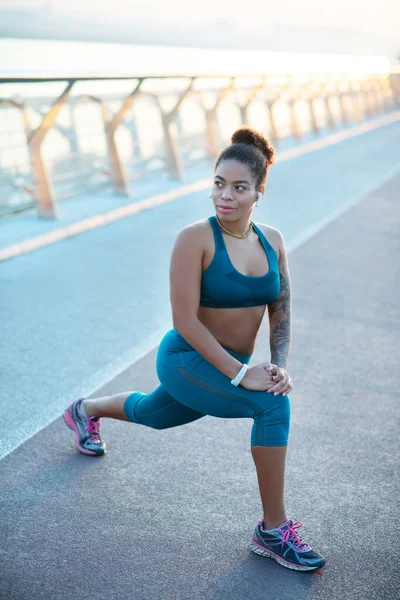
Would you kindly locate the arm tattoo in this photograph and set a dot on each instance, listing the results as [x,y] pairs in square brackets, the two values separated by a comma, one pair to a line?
[280,322]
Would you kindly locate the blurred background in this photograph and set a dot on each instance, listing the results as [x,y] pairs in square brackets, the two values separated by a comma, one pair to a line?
[306,69]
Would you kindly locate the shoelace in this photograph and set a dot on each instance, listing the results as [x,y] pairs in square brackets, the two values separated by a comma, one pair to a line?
[93,429]
[290,534]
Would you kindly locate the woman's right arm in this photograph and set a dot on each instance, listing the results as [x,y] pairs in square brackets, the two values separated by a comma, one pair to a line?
[185,284]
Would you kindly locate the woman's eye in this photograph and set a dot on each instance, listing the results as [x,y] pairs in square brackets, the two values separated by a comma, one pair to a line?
[219,184]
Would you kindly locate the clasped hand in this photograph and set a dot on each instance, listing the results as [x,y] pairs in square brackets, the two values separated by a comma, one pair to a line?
[268,377]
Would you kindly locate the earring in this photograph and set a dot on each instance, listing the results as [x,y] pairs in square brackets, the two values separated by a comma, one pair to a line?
[259,195]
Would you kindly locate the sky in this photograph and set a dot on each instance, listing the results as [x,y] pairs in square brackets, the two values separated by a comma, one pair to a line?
[380,18]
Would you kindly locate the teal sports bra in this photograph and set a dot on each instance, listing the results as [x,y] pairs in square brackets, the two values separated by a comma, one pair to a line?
[222,286]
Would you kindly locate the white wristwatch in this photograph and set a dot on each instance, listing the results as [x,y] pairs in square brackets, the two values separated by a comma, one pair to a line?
[239,376]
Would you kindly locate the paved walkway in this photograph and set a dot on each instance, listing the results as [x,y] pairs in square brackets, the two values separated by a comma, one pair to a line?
[169,514]
[78,312]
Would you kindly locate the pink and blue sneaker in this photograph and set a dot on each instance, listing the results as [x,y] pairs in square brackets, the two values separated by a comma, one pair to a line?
[285,546]
[86,429]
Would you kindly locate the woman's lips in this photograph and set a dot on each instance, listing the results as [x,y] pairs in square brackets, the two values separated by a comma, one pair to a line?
[225,209]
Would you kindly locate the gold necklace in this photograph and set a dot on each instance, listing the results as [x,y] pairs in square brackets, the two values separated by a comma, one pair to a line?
[240,237]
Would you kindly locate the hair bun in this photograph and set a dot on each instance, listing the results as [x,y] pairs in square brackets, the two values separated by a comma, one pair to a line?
[246,135]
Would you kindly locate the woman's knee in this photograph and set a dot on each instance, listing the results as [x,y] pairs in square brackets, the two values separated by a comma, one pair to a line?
[140,409]
[281,411]
[272,422]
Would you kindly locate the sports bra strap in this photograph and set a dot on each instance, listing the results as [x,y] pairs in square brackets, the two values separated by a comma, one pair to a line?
[219,240]
[270,252]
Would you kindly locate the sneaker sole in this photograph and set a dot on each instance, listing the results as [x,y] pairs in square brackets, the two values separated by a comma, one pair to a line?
[71,424]
[261,551]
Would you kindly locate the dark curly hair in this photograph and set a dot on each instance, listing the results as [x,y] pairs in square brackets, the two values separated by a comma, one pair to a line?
[252,149]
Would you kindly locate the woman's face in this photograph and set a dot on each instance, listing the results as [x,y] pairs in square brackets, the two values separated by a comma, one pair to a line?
[233,192]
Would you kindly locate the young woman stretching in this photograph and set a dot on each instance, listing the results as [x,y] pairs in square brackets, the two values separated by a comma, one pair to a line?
[225,271]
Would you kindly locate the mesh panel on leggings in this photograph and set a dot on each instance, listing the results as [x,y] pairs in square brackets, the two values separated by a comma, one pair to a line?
[210,388]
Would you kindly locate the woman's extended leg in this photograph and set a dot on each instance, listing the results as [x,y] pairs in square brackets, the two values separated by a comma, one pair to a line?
[158,409]
[107,406]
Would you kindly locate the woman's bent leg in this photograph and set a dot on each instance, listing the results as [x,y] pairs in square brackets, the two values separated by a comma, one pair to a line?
[196,383]
[107,406]
[270,467]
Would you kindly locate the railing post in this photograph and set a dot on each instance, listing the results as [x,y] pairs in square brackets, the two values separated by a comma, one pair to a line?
[394,86]
[294,120]
[378,95]
[328,108]
[386,91]
[364,89]
[133,129]
[244,107]
[271,117]
[117,170]
[174,161]
[343,107]
[356,97]
[370,98]
[73,138]
[43,189]
[211,132]
[243,113]
[341,94]
[173,157]
[314,120]
[211,129]
[296,92]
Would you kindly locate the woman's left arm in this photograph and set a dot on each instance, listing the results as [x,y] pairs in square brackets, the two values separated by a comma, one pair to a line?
[280,313]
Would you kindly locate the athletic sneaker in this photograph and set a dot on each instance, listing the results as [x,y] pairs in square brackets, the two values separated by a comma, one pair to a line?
[86,429]
[285,546]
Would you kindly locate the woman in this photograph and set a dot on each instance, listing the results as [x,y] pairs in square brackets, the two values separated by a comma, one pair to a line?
[225,271]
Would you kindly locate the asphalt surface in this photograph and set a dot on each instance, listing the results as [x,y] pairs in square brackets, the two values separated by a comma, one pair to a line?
[169,514]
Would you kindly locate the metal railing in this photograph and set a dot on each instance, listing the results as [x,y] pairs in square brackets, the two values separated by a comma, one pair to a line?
[52,149]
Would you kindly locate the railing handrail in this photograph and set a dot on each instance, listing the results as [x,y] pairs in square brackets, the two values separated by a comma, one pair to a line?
[42,78]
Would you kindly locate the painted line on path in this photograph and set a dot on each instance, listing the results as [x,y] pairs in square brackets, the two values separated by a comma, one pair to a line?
[123,212]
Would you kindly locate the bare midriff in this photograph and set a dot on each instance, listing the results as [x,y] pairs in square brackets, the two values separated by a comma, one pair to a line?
[233,328]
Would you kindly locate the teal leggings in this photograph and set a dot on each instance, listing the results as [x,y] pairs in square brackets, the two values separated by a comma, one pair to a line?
[192,388]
